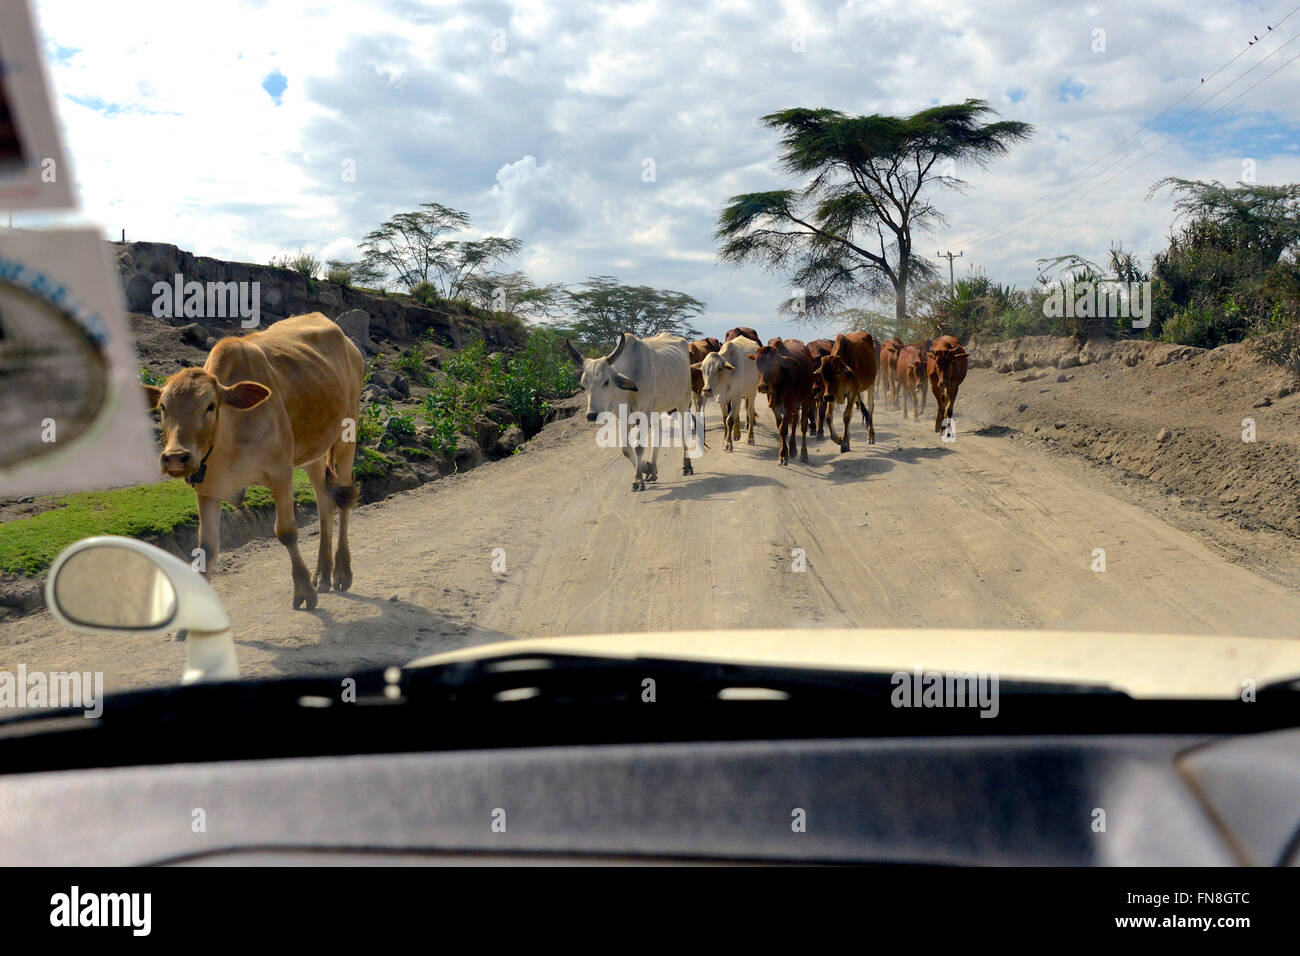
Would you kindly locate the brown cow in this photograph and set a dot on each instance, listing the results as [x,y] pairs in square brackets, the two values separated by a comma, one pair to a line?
[889,368]
[262,405]
[744,330]
[785,375]
[698,349]
[847,372]
[702,347]
[909,378]
[818,348]
[946,369]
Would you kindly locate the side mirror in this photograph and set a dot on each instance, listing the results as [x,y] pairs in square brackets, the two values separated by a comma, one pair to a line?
[120,584]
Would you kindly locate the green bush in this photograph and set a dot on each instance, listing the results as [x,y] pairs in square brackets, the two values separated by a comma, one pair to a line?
[412,362]
[303,263]
[426,293]
[473,379]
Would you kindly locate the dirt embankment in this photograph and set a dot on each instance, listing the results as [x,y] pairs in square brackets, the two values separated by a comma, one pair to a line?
[1216,429]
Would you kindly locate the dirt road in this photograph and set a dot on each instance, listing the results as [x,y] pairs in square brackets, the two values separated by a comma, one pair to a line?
[987,531]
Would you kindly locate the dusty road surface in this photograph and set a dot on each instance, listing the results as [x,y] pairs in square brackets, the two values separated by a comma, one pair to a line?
[986,531]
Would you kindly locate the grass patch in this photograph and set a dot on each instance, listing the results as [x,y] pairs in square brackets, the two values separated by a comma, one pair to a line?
[371,464]
[29,545]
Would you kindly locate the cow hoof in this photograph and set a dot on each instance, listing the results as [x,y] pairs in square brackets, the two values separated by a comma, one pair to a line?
[321,582]
[342,580]
[687,470]
[804,457]
[638,486]
[306,601]
[751,440]
[844,447]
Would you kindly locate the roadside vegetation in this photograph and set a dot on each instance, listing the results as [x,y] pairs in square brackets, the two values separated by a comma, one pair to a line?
[28,545]
[1229,273]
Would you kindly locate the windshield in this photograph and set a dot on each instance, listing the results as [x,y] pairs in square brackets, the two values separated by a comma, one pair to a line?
[458,324]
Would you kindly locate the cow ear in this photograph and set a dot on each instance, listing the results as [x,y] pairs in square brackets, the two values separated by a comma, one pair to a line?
[245,395]
[152,396]
[625,383]
[728,366]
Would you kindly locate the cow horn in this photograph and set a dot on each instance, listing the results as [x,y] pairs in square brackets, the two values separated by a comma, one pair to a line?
[574,353]
[618,349]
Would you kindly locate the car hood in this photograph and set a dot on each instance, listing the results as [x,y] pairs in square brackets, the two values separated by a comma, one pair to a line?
[1143,665]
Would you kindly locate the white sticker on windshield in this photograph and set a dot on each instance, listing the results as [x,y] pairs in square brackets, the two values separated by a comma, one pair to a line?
[72,413]
[34,172]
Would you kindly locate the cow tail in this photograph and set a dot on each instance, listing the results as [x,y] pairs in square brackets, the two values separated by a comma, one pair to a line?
[344,498]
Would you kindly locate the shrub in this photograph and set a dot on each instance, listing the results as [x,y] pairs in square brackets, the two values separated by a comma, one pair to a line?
[303,263]
[412,362]
[426,293]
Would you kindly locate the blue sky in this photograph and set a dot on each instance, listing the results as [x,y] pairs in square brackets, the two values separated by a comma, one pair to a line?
[228,135]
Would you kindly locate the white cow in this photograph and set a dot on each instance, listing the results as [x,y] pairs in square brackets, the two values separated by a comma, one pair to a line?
[730,377]
[635,383]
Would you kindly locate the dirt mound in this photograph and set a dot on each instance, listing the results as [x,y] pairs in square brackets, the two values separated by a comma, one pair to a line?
[1218,429]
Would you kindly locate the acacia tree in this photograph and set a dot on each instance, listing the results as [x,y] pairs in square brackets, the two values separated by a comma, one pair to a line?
[515,294]
[412,248]
[848,233]
[603,310]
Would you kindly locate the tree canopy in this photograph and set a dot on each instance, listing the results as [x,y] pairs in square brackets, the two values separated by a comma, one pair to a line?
[849,232]
[412,248]
[603,309]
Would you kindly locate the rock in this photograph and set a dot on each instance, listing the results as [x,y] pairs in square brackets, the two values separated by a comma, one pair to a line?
[210,343]
[1163,435]
[371,394]
[1022,407]
[1064,378]
[400,386]
[499,413]
[468,454]
[1060,425]
[1067,361]
[512,439]
[1263,402]
[487,434]
[1004,366]
[193,334]
[355,324]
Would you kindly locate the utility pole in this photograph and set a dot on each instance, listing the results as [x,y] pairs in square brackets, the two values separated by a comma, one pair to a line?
[949,256]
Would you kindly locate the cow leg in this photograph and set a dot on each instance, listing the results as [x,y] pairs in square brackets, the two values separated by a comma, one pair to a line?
[325,509]
[848,420]
[346,493]
[286,532]
[209,531]
[780,430]
[871,418]
[751,416]
[803,422]
[633,454]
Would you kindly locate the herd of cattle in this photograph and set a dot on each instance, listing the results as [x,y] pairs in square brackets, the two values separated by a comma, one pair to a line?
[282,398]
[802,382]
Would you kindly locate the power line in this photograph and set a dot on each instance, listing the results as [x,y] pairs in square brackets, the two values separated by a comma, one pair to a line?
[1073,181]
[1140,159]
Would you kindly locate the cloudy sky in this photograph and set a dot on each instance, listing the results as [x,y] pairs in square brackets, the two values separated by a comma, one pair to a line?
[227,128]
